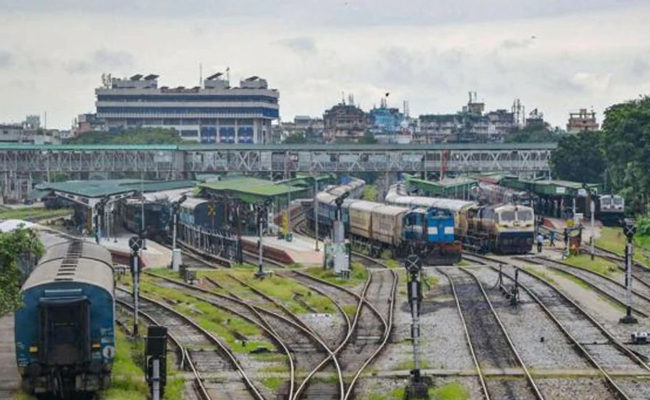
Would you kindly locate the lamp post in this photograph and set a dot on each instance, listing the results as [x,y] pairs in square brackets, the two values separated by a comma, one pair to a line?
[339,239]
[176,252]
[629,229]
[262,216]
[316,212]
[592,209]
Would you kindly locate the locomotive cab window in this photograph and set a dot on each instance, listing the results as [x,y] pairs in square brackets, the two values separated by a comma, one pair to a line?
[525,216]
[507,216]
[604,201]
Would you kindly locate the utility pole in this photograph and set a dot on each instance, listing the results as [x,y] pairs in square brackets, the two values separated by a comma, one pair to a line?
[262,217]
[176,252]
[142,224]
[629,228]
[316,211]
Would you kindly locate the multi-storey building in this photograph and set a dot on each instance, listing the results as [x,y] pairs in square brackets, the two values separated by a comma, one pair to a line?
[344,122]
[582,121]
[214,113]
[26,134]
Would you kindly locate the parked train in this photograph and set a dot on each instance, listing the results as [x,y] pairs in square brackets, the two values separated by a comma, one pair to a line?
[506,229]
[427,231]
[64,332]
[611,210]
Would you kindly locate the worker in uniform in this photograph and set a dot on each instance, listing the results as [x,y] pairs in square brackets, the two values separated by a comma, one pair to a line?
[540,240]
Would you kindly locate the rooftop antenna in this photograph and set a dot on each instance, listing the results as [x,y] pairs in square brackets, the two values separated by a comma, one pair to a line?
[351,99]
[407,112]
[200,74]
[343,98]
[228,75]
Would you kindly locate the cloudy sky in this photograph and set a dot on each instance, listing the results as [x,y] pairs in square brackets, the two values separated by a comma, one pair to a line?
[554,55]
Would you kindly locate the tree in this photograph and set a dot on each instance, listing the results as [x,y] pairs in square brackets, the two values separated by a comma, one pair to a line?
[579,158]
[295,138]
[627,144]
[368,138]
[136,136]
[17,247]
[533,134]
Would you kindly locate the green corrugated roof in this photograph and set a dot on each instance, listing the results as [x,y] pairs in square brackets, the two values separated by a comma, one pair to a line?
[101,188]
[254,186]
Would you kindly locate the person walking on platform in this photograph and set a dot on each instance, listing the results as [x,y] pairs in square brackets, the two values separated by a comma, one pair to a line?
[540,240]
[551,237]
[566,238]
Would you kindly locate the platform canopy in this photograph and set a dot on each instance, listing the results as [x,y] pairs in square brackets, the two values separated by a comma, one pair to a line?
[91,192]
[250,190]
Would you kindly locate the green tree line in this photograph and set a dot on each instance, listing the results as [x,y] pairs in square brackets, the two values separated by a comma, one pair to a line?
[136,136]
[618,156]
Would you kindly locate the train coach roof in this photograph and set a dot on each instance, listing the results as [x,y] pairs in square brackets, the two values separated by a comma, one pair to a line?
[363,205]
[74,267]
[84,250]
[389,210]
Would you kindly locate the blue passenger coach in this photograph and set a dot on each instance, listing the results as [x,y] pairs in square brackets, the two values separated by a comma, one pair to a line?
[64,331]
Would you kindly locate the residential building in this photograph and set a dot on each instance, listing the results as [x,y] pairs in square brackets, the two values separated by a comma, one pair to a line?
[501,123]
[88,123]
[213,113]
[345,122]
[385,120]
[25,133]
[582,121]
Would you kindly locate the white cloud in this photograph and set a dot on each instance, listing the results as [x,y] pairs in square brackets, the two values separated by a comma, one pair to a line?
[552,59]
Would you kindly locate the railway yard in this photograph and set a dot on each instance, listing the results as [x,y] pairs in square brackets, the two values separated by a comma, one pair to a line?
[302,333]
[528,325]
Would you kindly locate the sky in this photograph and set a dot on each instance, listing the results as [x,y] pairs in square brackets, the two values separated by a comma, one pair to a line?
[556,56]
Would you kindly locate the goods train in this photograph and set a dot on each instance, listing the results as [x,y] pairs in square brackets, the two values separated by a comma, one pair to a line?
[506,229]
[427,231]
[64,331]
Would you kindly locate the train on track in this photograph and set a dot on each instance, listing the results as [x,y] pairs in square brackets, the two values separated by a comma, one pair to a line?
[64,332]
[427,231]
[504,228]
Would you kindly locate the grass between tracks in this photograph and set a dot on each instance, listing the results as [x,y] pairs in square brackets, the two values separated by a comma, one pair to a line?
[613,239]
[358,275]
[34,213]
[599,265]
[450,391]
[296,297]
[128,375]
[236,332]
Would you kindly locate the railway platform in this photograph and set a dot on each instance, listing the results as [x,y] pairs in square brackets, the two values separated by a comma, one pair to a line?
[154,256]
[9,377]
[300,250]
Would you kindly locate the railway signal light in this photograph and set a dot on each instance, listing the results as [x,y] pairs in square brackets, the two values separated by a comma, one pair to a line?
[417,388]
[156,360]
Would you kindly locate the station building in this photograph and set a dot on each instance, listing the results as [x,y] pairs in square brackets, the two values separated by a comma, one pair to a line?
[213,113]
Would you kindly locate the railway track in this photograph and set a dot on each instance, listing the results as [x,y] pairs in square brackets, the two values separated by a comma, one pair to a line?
[606,286]
[370,328]
[201,351]
[590,339]
[488,341]
[300,342]
[640,272]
